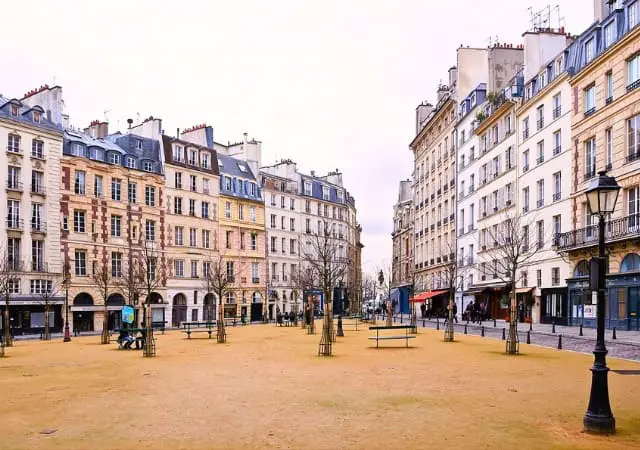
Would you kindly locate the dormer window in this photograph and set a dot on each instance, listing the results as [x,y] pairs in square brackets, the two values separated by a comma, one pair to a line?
[36,116]
[252,188]
[307,188]
[14,110]
[340,195]
[77,149]
[192,157]
[178,153]
[227,183]
[96,153]
[147,166]
[325,192]
[589,50]
[138,144]
[242,168]
[131,162]
[114,158]
[204,160]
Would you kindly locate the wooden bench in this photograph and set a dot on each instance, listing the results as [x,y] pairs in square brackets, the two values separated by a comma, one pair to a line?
[406,336]
[199,327]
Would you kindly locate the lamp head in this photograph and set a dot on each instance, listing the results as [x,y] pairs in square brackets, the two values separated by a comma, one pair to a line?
[602,194]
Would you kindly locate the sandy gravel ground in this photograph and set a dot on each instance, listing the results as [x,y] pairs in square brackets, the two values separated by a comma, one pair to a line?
[267,388]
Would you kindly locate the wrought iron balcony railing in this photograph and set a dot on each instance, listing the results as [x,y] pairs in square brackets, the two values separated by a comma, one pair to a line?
[615,230]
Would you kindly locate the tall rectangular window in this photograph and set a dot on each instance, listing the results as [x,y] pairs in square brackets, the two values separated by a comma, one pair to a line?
[609,87]
[79,182]
[178,267]
[80,263]
[37,217]
[590,50]
[608,142]
[590,158]
[37,149]
[37,256]
[150,231]
[177,205]
[37,182]
[193,240]
[634,14]
[115,189]
[633,138]
[179,235]
[557,105]
[150,195]
[557,142]
[557,186]
[78,221]
[590,99]
[98,189]
[610,34]
[116,264]
[132,192]
[115,226]
[633,72]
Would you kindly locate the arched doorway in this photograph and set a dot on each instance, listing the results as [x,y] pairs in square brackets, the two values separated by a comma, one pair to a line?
[256,306]
[209,312]
[83,314]
[115,302]
[179,310]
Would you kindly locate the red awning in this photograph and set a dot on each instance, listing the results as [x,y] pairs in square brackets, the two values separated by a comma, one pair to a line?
[425,295]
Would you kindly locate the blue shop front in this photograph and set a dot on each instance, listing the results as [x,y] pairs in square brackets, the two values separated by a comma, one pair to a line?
[400,297]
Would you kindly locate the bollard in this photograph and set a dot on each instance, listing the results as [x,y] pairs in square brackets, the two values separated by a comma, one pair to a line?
[494,323]
[465,328]
[437,324]
[553,327]
[530,326]
[614,333]
[482,332]
[581,330]
[503,334]
[467,319]
[423,325]
[559,342]
[528,337]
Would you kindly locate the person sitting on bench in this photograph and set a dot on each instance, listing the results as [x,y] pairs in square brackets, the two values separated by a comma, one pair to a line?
[125,340]
[141,340]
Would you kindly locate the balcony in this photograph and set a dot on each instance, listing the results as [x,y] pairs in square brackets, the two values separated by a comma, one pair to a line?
[525,209]
[445,188]
[14,149]
[590,111]
[525,168]
[445,220]
[231,278]
[525,133]
[632,157]
[590,174]
[255,280]
[557,150]
[439,223]
[557,111]
[608,100]
[38,189]
[275,278]
[634,85]
[38,226]
[615,230]
[540,124]
[14,186]
[540,160]
[15,223]
[540,203]
[556,196]
[438,260]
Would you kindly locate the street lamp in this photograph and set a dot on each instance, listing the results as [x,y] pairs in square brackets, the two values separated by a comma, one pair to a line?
[66,281]
[602,195]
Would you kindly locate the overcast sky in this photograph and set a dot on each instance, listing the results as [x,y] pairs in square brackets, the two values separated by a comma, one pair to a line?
[330,84]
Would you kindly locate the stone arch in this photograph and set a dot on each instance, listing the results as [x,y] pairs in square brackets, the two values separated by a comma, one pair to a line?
[83,299]
[582,269]
[179,309]
[630,263]
[179,300]
[209,307]
[115,299]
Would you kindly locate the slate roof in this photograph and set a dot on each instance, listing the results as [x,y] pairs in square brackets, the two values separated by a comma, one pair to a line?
[167,144]
[231,166]
[23,116]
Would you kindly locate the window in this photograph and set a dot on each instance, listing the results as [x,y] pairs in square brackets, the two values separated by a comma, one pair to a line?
[41,287]
[589,50]
[192,207]
[557,186]
[557,105]
[633,72]
[555,276]
[590,100]
[193,241]
[633,133]
[193,183]
[525,160]
[204,160]
[590,158]
[115,226]
[131,162]
[557,224]
[523,275]
[252,189]
[178,153]
[179,235]
[273,220]
[540,147]
[230,270]
[325,192]
[240,212]
[242,240]
[98,190]
[116,264]
[78,221]
[115,189]
[150,195]
[609,34]
[178,267]
[132,192]
[609,87]
[77,149]
[13,178]
[525,199]
[252,213]
[150,230]
[192,157]
[37,182]
[147,166]
[80,261]
[283,202]
[205,210]
[557,142]
[633,205]
[177,205]
[228,237]
[608,141]
[37,149]
[255,273]
[205,185]
[292,224]
[282,219]
[114,158]
[307,188]
[634,14]
[540,233]
[37,256]
[540,117]
[13,143]
[177,180]
[274,241]
[79,183]
[194,274]
[227,183]
[292,246]
[227,210]
[540,185]
[283,245]
[539,278]
[525,128]
[206,238]
[254,241]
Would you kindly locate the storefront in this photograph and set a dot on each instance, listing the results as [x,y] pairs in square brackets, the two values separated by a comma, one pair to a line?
[400,297]
[554,306]
[26,316]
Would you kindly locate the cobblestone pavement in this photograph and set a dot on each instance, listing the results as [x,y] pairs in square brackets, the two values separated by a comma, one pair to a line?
[626,346]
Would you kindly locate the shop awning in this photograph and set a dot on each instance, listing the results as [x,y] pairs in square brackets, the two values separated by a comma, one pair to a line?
[524,290]
[425,295]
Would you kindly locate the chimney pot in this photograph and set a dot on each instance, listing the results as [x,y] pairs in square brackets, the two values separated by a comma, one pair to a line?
[178,133]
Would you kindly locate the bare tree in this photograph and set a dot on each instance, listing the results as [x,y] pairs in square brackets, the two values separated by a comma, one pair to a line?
[150,276]
[103,281]
[49,290]
[326,258]
[10,269]
[221,283]
[130,283]
[508,249]
[450,278]
[304,280]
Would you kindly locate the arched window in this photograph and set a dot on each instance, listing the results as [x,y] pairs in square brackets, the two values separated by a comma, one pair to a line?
[256,298]
[630,263]
[582,269]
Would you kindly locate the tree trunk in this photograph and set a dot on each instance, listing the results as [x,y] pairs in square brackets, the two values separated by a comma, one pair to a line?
[389,313]
[149,346]
[512,339]
[448,328]
[8,340]
[47,332]
[221,334]
[106,337]
[325,340]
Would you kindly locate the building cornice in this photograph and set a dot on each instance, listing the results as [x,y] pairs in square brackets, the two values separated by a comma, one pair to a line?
[432,121]
[493,118]
[545,91]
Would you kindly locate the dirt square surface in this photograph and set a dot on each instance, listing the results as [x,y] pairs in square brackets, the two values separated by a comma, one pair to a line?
[267,388]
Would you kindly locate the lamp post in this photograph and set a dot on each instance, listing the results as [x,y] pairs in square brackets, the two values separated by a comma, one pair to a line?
[602,195]
[66,281]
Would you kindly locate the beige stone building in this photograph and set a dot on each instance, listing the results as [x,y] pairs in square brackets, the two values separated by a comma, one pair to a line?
[402,253]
